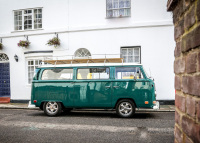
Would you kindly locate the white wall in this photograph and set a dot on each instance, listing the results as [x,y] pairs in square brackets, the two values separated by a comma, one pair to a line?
[83,24]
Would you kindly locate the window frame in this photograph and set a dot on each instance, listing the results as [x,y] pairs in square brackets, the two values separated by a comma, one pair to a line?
[129,47]
[34,66]
[33,18]
[119,16]
[57,79]
[91,68]
[27,67]
[141,70]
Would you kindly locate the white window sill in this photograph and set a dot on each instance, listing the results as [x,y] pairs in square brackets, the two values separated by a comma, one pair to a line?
[26,30]
[118,17]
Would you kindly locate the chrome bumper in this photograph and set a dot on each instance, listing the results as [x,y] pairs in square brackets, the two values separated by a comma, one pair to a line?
[156,106]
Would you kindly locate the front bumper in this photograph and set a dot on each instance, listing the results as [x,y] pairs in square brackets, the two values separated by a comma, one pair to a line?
[156,106]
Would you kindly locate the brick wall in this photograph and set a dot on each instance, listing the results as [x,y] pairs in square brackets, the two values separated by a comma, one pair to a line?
[186,18]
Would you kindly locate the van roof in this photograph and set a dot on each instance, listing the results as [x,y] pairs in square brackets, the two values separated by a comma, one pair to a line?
[87,62]
[92,64]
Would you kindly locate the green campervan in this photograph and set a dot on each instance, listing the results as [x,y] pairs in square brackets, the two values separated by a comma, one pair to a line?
[120,86]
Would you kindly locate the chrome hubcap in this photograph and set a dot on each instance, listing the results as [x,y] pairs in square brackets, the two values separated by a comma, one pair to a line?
[125,108]
[52,107]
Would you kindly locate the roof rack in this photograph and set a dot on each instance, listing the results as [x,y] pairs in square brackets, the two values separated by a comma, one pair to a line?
[81,61]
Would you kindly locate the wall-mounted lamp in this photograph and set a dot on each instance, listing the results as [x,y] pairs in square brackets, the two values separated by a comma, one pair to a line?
[56,35]
[16,58]
[26,37]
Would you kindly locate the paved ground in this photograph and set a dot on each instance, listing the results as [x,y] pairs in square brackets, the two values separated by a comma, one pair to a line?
[22,125]
[163,108]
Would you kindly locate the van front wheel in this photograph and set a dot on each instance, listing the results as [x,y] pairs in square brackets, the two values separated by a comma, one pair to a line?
[125,108]
[52,108]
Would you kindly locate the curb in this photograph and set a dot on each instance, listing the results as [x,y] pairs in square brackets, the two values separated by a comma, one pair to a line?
[19,108]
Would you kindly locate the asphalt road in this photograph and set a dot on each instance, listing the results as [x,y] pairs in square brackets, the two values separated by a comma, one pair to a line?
[85,127]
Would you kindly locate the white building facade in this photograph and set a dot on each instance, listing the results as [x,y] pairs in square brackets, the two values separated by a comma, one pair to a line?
[139,31]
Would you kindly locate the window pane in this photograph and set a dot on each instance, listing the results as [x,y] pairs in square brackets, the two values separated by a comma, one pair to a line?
[39,10]
[109,13]
[124,51]
[35,26]
[57,74]
[130,59]
[20,22]
[121,3]
[127,3]
[115,13]
[137,59]
[130,51]
[128,73]
[121,12]
[29,26]
[115,4]
[16,13]
[136,51]
[126,12]
[39,15]
[93,73]
[39,25]
[29,21]
[39,20]
[109,4]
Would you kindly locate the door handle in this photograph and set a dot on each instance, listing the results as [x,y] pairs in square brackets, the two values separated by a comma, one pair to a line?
[107,86]
[115,86]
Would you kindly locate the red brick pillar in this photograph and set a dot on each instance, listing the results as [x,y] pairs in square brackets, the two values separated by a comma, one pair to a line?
[186,18]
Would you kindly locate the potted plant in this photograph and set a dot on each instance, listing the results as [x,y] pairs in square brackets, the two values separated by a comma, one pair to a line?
[1,46]
[54,42]
[24,44]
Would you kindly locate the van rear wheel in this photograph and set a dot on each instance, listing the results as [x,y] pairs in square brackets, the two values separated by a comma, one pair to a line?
[125,108]
[52,108]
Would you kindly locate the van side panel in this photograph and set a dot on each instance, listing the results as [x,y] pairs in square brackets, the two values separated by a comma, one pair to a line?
[139,91]
[61,91]
[92,93]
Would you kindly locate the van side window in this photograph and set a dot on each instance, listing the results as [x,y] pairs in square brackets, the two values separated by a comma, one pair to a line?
[128,73]
[57,74]
[93,73]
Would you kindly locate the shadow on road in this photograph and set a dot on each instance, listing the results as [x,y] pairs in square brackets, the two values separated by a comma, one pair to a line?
[97,114]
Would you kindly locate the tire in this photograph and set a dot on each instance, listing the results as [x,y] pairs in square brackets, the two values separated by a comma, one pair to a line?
[52,108]
[125,108]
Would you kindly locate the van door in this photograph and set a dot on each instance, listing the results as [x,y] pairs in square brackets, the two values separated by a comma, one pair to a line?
[92,88]
[130,83]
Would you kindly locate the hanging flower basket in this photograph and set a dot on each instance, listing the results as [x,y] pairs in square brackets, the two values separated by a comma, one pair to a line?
[24,44]
[1,46]
[54,42]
